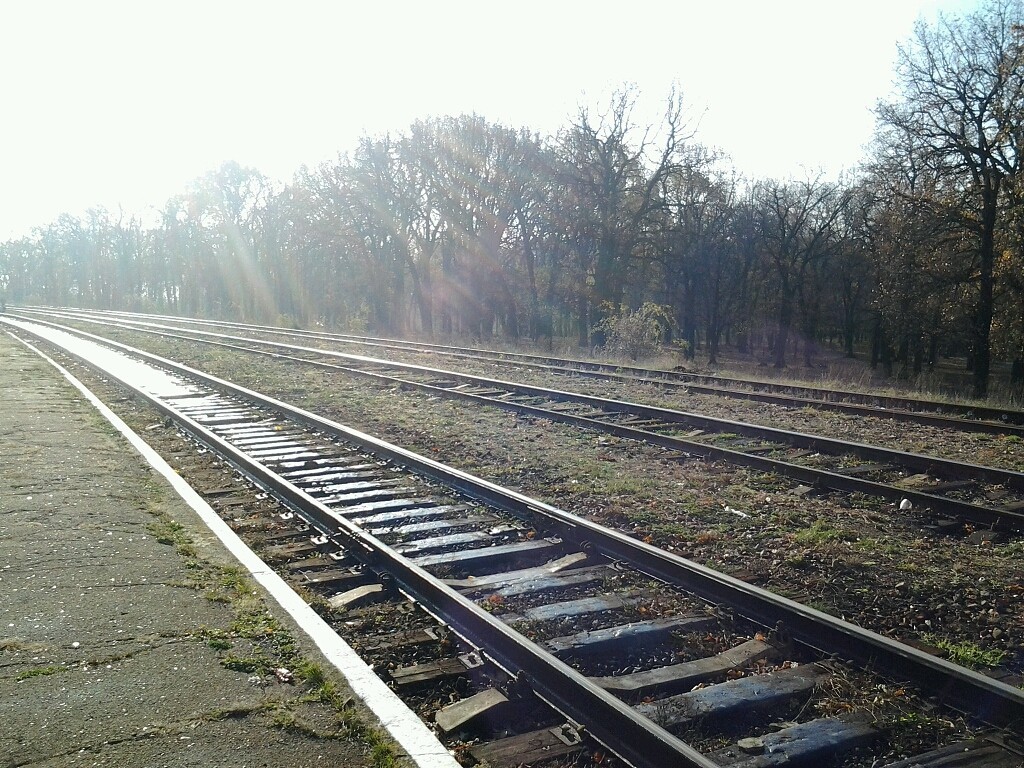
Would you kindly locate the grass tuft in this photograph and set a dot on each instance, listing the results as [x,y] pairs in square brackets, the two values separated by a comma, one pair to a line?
[818,533]
[38,672]
[966,653]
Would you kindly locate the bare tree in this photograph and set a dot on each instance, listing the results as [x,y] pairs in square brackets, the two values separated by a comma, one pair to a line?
[613,181]
[698,201]
[797,228]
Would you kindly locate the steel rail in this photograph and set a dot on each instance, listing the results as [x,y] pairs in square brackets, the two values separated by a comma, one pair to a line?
[982,697]
[987,516]
[1000,420]
[976,418]
[999,417]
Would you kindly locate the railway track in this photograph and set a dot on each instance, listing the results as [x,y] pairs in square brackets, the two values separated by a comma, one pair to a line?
[975,417]
[370,525]
[917,410]
[949,492]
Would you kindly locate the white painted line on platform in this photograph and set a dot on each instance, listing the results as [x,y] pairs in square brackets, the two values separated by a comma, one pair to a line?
[404,726]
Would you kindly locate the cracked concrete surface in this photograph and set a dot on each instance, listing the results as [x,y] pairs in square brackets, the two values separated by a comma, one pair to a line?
[103,660]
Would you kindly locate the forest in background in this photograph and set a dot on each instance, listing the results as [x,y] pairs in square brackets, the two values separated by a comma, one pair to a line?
[461,227]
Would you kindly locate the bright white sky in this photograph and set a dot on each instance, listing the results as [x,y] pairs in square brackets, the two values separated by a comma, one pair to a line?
[124,103]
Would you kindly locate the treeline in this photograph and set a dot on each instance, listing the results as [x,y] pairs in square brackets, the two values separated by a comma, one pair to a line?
[462,226]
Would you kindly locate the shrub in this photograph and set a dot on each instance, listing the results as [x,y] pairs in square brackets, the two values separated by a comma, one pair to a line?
[636,334]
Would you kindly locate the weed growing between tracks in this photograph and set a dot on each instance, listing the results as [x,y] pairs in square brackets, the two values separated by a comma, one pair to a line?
[969,655]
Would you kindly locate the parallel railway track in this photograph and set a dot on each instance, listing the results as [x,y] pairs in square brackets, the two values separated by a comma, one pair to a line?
[975,417]
[375,520]
[951,492]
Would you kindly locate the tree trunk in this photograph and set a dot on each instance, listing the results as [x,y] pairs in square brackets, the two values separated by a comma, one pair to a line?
[583,321]
[986,289]
[785,323]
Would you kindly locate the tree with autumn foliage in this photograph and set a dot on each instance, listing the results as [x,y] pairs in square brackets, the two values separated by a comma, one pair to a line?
[961,106]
